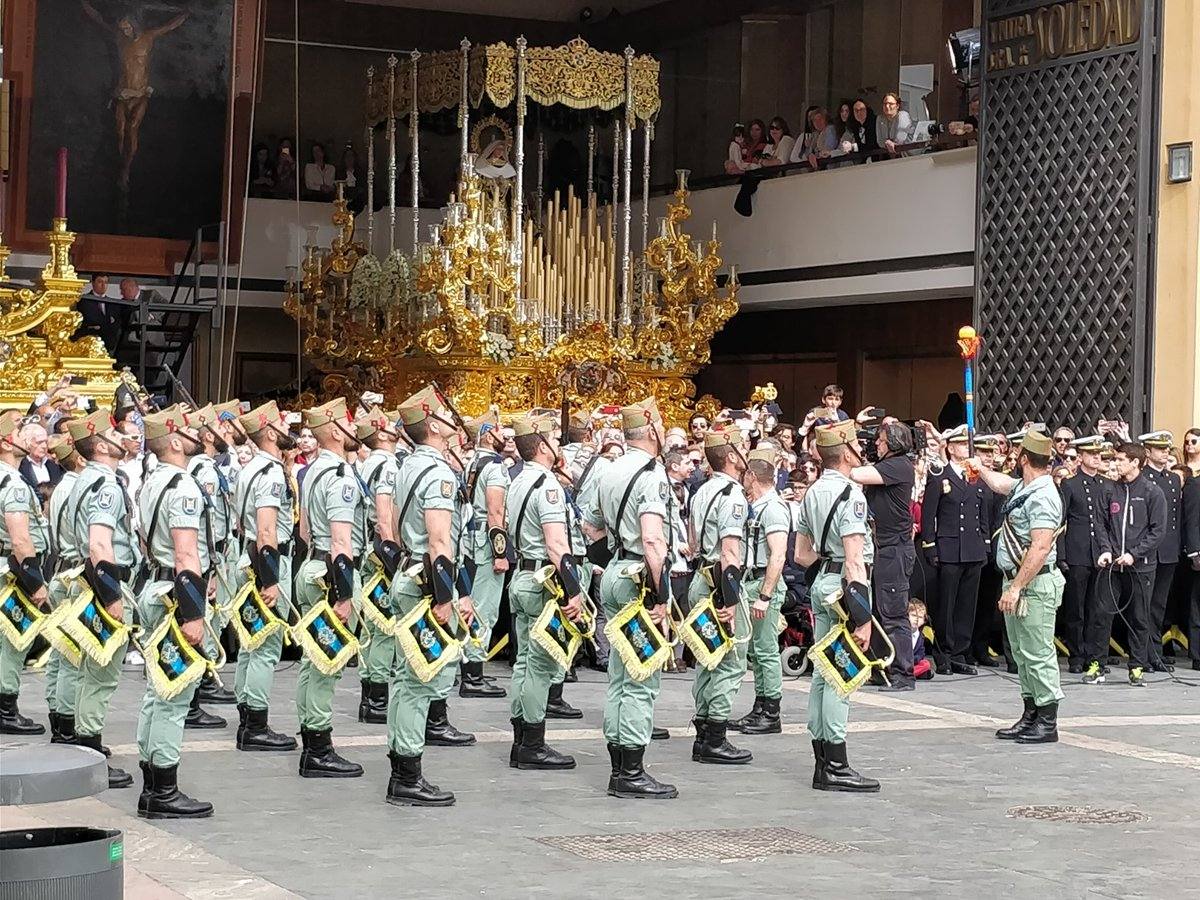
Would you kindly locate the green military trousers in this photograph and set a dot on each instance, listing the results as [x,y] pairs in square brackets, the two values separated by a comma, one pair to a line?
[828,712]
[255,672]
[535,670]
[714,690]
[764,642]
[378,657]
[160,722]
[629,705]
[408,703]
[62,676]
[314,690]
[1031,637]
[96,685]
[485,595]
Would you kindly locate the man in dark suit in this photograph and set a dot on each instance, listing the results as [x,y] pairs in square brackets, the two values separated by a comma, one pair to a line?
[101,317]
[38,467]
[1086,497]
[955,536]
[1158,471]
[989,622]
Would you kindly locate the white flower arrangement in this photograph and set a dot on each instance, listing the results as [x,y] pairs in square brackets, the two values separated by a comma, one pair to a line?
[366,283]
[497,347]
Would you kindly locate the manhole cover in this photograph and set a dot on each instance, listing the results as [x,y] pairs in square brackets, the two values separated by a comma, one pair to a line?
[1079,815]
[717,844]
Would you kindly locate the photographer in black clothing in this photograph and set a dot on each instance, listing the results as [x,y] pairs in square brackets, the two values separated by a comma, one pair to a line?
[888,485]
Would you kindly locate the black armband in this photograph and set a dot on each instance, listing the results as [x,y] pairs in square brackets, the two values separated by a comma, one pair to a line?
[729,586]
[104,580]
[661,591]
[599,553]
[856,598]
[389,553]
[498,538]
[339,572]
[568,575]
[441,575]
[190,592]
[264,562]
[464,580]
[27,573]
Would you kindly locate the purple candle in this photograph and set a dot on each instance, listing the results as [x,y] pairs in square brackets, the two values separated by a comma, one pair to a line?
[60,203]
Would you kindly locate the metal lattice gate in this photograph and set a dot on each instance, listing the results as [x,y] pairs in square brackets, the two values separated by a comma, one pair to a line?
[1066,167]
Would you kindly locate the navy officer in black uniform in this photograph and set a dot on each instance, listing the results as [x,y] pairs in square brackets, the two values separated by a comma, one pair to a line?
[955,536]
[1158,471]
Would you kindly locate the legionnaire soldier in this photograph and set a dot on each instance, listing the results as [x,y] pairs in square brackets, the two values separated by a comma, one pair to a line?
[429,524]
[24,540]
[1033,585]
[218,497]
[264,506]
[539,516]
[833,528]
[100,513]
[486,545]
[333,524]
[1158,471]
[767,526]
[717,523]
[180,555]
[1085,496]
[378,473]
[956,537]
[631,504]
[583,464]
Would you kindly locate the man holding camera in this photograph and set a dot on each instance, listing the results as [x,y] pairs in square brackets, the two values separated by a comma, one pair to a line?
[888,485]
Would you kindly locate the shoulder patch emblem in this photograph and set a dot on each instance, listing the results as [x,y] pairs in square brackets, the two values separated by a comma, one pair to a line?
[447,489]
[210,488]
[347,492]
[664,490]
[190,506]
[389,478]
[277,490]
[106,499]
[552,496]
[738,511]
[860,509]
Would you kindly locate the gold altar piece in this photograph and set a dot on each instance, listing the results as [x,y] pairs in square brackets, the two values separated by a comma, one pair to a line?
[36,325]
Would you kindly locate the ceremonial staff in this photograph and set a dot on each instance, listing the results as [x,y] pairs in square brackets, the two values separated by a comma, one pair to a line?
[968,347]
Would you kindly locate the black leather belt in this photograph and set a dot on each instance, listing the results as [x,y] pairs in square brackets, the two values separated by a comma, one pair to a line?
[833,566]
[756,573]
[285,549]
[162,573]
[1044,570]
[531,565]
[219,546]
[633,557]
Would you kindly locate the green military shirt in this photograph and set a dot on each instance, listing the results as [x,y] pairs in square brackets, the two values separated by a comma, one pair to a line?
[263,484]
[182,506]
[717,510]
[217,494]
[851,516]
[488,471]
[98,498]
[769,514]
[62,537]
[1029,506]
[432,484]
[332,493]
[16,497]
[378,472]
[534,499]
[650,496]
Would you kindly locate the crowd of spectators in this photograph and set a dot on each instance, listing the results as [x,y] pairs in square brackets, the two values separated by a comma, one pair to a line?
[280,175]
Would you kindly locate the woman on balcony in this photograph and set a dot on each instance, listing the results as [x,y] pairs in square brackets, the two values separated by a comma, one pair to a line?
[779,150]
[894,128]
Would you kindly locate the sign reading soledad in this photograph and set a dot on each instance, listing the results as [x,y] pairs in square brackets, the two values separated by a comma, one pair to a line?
[1061,29]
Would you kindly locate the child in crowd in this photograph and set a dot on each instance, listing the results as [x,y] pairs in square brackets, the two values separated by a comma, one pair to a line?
[922,666]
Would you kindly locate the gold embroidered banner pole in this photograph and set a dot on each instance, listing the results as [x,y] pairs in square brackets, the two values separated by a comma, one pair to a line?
[463,113]
[414,133]
[370,163]
[391,137]
[519,190]
[627,164]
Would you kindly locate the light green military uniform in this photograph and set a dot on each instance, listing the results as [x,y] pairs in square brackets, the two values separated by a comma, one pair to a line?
[378,472]
[489,472]
[769,514]
[183,507]
[99,499]
[828,712]
[331,492]
[629,705]
[263,485]
[218,497]
[62,676]
[1028,507]
[535,499]
[579,550]
[426,476]
[17,497]
[717,511]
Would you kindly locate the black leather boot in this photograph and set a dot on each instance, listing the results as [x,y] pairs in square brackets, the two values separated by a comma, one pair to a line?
[255,734]
[819,767]
[166,801]
[614,757]
[11,720]
[752,716]
[438,730]
[767,721]
[320,760]
[369,706]
[698,742]
[66,726]
[839,776]
[1027,717]
[407,787]
[212,691]
[659,734]
[57,724]
[534,753]
[472,684]
[558,708]
[634,782]
[201,718]
[1044,729]
[117,778]
[517,725]
[717,749]
[147,786]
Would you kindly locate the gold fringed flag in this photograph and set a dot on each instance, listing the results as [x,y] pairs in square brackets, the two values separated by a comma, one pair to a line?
[172,663]
[96,632]
[426,643]
[324,639]
[20,619]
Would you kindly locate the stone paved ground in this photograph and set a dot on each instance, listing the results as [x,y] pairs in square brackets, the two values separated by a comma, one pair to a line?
[939,828]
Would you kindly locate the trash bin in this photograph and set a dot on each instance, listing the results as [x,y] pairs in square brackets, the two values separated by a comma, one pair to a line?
[62,864]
